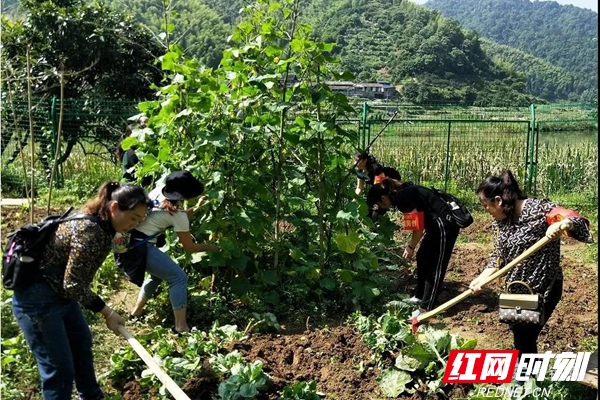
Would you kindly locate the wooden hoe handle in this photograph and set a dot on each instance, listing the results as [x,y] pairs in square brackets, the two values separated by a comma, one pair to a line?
[166,380]
[538,245]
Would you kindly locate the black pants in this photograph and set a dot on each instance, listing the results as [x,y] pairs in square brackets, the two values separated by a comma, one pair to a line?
[525,337]
[433,258]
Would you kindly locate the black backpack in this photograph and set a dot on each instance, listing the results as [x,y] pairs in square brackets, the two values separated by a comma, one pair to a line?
[458,211]
[21,256]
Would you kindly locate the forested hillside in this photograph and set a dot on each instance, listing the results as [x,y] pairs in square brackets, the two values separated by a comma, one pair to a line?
[191,24]
[565,36]
[544,79]
[428,57]
[425,55]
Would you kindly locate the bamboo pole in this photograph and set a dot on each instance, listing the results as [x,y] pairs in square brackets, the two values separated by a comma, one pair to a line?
[166,380]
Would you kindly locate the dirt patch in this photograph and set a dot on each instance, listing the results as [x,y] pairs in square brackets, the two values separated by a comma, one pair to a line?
[13,217]
[338,360]
[329,356]
[575,317]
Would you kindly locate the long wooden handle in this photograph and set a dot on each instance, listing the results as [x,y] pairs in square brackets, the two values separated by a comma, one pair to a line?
[536,246]
[166,380]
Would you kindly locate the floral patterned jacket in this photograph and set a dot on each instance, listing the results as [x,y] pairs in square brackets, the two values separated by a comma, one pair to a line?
[513,237]
[73,256]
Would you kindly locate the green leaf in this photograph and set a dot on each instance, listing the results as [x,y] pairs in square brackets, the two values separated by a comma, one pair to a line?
[328,283]
[344,216]
[248,390]
[346,275]
[420,353]
[390,324]
[347,243]
[127,143]
[393,382]
[407,363]
[469,344]
[163,151]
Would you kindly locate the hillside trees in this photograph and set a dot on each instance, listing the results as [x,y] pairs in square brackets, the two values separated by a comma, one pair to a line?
[544,79]
[427,56]
[565,36]
[191,24]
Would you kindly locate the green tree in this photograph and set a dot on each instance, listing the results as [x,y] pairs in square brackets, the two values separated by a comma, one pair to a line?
[191,24]
[262,131]
[98,53]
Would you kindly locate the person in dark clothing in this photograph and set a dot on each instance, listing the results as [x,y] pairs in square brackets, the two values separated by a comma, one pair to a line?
[433,228]
[520,222]
[128,159]
[369,168]
[49,312]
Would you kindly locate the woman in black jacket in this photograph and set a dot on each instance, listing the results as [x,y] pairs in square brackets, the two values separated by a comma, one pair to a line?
[369,168]
[434,229]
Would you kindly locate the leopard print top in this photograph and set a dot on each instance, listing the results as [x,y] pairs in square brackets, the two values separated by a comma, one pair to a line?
[73,256]
[513,237]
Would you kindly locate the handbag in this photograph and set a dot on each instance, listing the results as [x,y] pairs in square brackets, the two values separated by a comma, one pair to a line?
[522,309]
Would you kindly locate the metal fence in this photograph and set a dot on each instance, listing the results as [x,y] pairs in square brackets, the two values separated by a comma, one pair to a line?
[90,131]
[551,148]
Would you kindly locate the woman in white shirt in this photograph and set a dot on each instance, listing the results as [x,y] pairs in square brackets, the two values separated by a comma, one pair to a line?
[168,212]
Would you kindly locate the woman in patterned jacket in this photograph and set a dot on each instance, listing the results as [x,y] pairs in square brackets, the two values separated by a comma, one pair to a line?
[49,312]
[519,222]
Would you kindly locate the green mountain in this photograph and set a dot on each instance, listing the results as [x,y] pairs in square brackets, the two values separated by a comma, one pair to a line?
[544,79]
[427,56]
[565,36]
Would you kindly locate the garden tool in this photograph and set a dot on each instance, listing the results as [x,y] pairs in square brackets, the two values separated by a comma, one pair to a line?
[166,380]
[418,317]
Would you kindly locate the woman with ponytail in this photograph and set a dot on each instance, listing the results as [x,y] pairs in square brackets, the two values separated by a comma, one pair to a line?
[149,260]
[520,222]
[49,311]
[427,216]
[368,164]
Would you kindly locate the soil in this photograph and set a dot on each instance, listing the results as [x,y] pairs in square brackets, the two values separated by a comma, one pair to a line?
[338,360]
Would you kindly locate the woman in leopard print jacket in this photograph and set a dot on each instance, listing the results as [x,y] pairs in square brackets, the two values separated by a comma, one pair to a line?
[519,222]
[49,310]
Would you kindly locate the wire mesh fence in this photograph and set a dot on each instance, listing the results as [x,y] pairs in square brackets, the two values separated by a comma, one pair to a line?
[551,148]
[30,145]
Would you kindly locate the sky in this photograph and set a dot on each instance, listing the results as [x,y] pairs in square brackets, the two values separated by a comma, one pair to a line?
[589,4]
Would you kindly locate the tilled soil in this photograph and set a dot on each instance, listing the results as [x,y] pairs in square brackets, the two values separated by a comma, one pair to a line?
[341,364]
[339,361]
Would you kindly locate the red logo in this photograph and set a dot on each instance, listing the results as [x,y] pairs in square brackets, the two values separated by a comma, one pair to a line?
[480,366]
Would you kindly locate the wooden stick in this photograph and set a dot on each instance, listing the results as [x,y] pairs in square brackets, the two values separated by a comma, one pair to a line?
[501,272]
[166,380]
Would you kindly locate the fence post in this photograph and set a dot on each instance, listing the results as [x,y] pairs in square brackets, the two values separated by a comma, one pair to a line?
[447,172]
[53,142]
[529,162]
[363,126]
